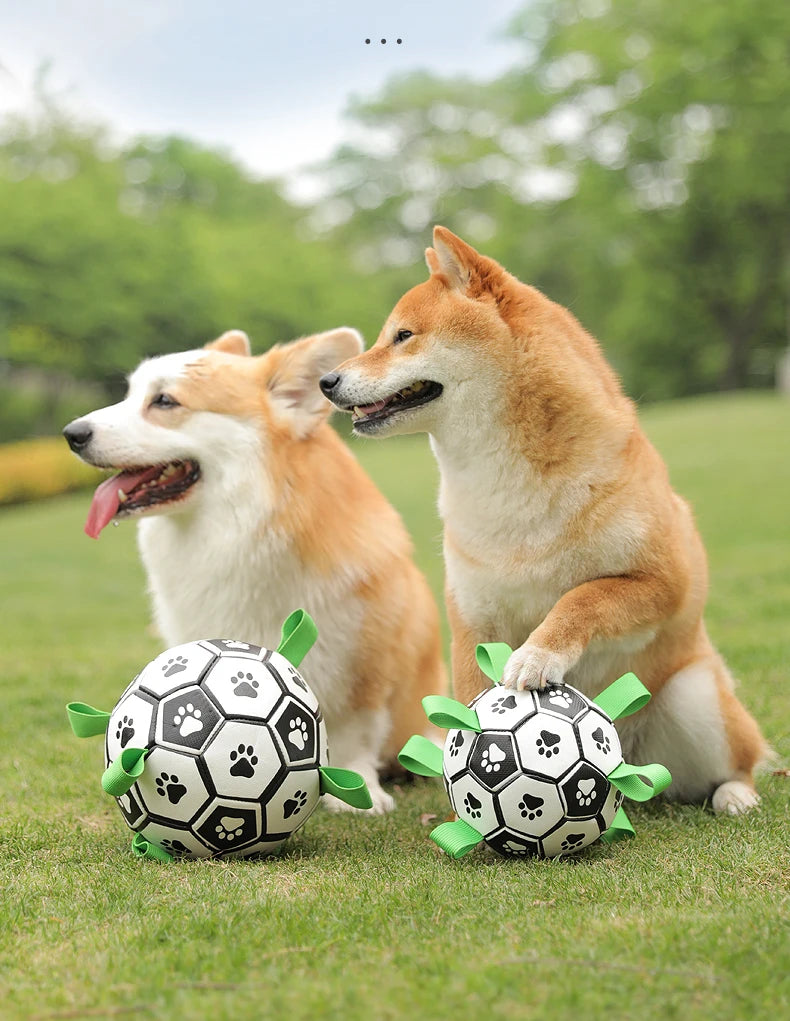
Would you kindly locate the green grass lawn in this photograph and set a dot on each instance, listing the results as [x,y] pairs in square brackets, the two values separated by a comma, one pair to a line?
[363,918]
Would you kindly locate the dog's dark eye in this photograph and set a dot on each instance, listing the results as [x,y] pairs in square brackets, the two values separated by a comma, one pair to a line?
[164,401]
[402,335]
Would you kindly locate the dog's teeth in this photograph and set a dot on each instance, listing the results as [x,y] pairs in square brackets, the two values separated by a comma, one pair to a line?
[356,413]
[416,387]
[122,497]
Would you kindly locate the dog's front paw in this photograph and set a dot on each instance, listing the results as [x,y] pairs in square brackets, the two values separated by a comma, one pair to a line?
[382,803]
[530,666]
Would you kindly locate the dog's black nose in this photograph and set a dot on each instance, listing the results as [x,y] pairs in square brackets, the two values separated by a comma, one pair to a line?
[78,435]
[329,382]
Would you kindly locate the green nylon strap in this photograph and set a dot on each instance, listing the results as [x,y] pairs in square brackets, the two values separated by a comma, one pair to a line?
[491,658]
[421,756]
[450,715]
[620,829]
[125,771]
[298,637]
[145,849]
[85,720]
[624,696]
[346,785]
[628,779]
[456,838]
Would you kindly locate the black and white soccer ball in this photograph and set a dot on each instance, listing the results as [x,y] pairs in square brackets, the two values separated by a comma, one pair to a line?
[534,780]
[234,740]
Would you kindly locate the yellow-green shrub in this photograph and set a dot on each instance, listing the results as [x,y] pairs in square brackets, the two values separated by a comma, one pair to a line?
[32,469]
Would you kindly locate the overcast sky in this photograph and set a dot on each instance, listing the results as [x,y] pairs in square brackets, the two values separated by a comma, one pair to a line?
[267,80]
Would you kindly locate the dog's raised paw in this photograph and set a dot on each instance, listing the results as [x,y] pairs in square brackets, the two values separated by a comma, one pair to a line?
[530,666]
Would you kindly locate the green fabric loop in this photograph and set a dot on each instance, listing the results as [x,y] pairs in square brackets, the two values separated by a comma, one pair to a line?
[623,697]
[85,720]
[456,838]
[346,785]
[298,637]
[628,779]
[145,849]
[491,658]
[620,829]
[450,715]
[421,756]
[125,771]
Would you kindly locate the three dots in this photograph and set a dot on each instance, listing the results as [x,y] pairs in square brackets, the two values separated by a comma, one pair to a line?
[383,42]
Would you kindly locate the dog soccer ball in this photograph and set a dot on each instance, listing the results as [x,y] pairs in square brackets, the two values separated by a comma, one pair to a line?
[218,748]
[533,773]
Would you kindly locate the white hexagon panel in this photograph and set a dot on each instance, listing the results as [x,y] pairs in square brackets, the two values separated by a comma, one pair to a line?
[600,741]
[572,836]
[530,806]
[243,760]
[291,680]
[171,785]
[243,687]
[178,841]
[547,745]
[176,668]
[457,748]
[130,725]
[502,709]
[474,804]
[293,801]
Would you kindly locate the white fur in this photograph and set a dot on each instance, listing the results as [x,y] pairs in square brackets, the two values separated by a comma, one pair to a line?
[217,569]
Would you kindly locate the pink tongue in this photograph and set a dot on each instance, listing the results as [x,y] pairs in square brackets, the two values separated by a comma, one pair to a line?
[105,503]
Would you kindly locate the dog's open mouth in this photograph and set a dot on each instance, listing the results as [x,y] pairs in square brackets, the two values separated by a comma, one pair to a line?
[137,489]
[369,415]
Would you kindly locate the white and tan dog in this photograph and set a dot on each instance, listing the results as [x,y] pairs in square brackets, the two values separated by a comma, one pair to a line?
[251,506]
[562,535]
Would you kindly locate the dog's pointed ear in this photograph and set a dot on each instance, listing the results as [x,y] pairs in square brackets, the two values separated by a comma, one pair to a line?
[452,258]
[232,342]
[295,369]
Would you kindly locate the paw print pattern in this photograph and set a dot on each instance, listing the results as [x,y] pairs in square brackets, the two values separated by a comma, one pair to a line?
[297,733]
[601,740]
[456,743]
[547,744]
[530,807]
[571,841]
[168,784]
[492,758]
[517,849]
[472,805]
[585,792]
[503,704]
[243,761]
[235,645]
[229,828]
[125,731]
[245,685]
[174,666]
[560,698]
[175,847]
[187,719]
[294,805]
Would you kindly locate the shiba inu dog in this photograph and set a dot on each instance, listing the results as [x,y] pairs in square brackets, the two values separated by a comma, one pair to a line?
[250,505]
[562,536]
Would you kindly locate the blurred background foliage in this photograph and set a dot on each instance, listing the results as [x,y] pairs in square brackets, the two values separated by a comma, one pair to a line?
[634,164]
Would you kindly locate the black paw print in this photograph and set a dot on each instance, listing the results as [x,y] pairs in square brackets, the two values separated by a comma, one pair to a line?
[174,666]
[571,841]
[503,704]
[169,785]
[294,805]
[175,847]
[601,740]
[245,685]
[243,761]
[547,744]
[530,807]
[473,806]
[456,743]
[125,731]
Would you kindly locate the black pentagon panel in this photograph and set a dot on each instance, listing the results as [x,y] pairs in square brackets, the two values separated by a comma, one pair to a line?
[584,791]
[131,808]
[231,825]
[298,732]
[513,845]
[493,760]
[562,700]
[187,719]
[225,645]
